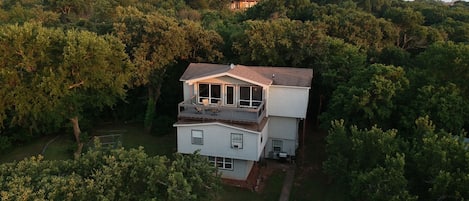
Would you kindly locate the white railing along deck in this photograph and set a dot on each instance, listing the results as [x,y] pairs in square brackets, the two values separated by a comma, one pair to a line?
[190,109]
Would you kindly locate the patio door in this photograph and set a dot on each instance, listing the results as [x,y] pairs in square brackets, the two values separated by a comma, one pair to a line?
[230,95]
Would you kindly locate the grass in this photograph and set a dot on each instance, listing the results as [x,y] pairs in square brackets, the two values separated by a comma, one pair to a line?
[25,150]
[271,191]
[64,145]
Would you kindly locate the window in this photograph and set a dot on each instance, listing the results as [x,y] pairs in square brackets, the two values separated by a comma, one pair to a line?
[197,137]
[212,92]
[221,163]
[236,141]
[250,96]
[277,145]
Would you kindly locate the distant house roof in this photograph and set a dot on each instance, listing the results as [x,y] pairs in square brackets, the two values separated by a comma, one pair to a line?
[283,76]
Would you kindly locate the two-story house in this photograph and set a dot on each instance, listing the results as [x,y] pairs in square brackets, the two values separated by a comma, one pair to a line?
[236,115]
[242,4]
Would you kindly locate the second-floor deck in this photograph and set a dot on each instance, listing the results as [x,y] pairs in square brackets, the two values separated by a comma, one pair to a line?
[190,109]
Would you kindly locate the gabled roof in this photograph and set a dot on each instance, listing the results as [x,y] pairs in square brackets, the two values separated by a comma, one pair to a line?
[264,75]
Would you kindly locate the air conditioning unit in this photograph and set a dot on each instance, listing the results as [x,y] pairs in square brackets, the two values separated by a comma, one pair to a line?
[237,146]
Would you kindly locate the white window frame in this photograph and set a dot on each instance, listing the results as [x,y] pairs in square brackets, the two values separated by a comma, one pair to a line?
[226,95]
[221,162]
[197,137]
[209,97]
[277,144]
[236,141]
[251,102]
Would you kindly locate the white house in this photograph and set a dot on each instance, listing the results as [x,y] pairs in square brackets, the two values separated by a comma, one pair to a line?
[236,115]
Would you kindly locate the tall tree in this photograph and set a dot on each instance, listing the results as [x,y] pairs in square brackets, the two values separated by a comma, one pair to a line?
[369,98]
[155,41]
[49,75]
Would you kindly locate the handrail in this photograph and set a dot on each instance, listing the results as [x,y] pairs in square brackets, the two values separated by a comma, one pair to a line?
[191,109]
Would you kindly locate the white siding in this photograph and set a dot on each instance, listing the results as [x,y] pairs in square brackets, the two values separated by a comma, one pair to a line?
[283,127]
[287,101]
[225,80]
[217,141]
[289,146]
[263,138]
[188,90]
[241,170]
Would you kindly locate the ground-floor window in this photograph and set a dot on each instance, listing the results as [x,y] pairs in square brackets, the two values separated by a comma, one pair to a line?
[277,145]
[221,163]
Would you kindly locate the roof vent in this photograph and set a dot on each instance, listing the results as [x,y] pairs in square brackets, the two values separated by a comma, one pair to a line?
[232,66]
[273,75]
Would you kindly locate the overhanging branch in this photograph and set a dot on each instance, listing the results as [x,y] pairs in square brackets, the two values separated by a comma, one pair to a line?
[76,85]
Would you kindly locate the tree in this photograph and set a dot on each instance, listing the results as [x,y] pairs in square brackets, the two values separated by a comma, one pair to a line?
[445,104]
[368,163]
[50,75]
[438,163]
[412,34]
[368,98]
[153,42]
[116,174]
[445,62]
[359,28]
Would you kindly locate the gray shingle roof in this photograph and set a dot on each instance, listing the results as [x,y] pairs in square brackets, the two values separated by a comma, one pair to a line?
[284,76]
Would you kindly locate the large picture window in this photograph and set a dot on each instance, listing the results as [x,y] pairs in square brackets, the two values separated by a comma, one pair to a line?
[250,96]
[221,163]
[236,141]
[197,137]
[212,92]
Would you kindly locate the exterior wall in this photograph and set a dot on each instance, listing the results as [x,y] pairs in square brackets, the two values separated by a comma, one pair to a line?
[287,101]
[263,138]
[284,129]
[188,90]
[217,141]
[241,170]
[225,80]
[289,146]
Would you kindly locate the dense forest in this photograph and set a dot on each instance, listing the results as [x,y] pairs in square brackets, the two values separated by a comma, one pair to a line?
[389,76]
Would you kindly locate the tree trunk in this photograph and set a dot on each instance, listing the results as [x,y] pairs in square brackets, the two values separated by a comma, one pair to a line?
[76,133]
[154,93]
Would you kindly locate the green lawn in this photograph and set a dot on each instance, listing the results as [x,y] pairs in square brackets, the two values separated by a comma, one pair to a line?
[25,150]
[63,146]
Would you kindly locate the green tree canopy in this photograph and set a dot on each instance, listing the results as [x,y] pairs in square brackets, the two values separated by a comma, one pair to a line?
[49,76]
[110,175]
[368,98]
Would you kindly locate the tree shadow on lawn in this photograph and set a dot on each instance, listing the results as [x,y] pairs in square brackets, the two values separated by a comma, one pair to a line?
[64,145]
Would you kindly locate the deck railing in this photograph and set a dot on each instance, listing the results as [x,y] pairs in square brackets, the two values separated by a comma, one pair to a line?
[191,109]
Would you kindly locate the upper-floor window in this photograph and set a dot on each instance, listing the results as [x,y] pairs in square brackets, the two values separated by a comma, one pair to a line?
[197,137]
[236,141]
[212,92]
[250,96]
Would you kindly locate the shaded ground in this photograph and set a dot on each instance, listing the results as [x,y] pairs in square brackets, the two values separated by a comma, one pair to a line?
[310,182]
